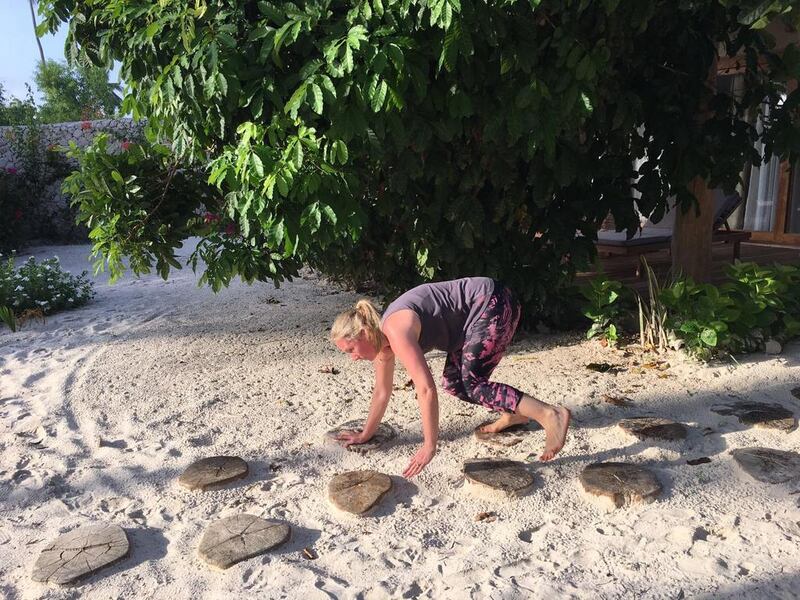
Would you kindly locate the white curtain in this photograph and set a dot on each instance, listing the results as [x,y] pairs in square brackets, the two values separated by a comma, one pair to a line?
[762,191]
[794,201]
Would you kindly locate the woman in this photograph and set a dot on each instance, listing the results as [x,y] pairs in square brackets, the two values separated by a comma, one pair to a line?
[473,320]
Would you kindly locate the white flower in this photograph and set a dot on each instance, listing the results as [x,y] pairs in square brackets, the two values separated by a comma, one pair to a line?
[18,288]
[70,299]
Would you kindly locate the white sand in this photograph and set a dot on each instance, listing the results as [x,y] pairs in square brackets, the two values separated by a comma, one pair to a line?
[127,391]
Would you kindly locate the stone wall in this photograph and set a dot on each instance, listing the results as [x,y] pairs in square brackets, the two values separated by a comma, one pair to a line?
[57,218]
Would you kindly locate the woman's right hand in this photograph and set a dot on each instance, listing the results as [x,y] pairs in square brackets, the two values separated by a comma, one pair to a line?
[350,438]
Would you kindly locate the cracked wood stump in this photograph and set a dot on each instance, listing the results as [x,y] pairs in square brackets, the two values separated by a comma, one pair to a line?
[81,552]
[212,472]
[237,538]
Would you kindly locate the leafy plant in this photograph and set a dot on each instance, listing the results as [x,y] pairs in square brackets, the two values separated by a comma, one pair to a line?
[8,318]
[605,308]
[767,298]
[700,316]
[139,202]
[395,142]
[654,333]
[41,287]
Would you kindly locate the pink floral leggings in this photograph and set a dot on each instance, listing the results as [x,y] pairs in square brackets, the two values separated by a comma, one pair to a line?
[466,371]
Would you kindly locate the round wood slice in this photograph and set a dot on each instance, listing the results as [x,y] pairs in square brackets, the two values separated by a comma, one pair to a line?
[237,538]
[760,414]
[81,552]
[768,465]
[511,436]
[654,427]
[622,483]
[507,477]
[358,491]
[213,472]
[383,435]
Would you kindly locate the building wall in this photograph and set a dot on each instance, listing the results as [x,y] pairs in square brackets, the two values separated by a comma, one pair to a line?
[57,217]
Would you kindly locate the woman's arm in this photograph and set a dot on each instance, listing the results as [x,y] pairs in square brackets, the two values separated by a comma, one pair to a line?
[402,330]
[381,393]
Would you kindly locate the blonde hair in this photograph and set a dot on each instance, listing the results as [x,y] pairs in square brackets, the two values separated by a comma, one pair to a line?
[363,315]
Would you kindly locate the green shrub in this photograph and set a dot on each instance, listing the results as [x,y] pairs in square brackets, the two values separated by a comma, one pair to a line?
[41,287]
[700,316]
[139,202]
[606,307]
[767,298]
[757,303]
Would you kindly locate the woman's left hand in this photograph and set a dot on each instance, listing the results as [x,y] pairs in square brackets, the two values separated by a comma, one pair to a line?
[421,458]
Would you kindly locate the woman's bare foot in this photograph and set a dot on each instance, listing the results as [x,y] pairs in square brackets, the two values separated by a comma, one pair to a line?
[505,421]
[555,426]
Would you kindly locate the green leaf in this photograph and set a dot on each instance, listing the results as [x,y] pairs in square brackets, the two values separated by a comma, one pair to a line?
[222,84]
[328,86]
[296,100]
[152,30]
[316,100]
[355,36]
[256,164]
[117,176]
[396,56]
[283,187]
[298,154]
[709,337]
[341,151]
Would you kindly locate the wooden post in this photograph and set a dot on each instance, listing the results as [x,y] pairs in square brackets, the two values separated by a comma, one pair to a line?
[692,232]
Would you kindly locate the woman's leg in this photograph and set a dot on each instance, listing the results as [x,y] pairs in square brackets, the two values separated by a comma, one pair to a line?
[484,346]
[451,377]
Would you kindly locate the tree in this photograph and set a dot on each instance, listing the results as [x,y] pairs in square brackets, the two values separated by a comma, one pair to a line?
[38,41]
[74,94]
[397,141]
[14,111]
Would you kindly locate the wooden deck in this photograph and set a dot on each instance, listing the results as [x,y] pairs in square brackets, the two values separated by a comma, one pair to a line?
[623,268]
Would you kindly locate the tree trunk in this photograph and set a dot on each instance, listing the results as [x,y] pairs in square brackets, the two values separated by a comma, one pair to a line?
[693,230]
[38,41]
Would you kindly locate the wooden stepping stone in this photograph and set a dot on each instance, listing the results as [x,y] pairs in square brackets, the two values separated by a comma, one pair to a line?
[768,465]
[383,435]
[622,483]
[213,472]
[654,427]
[80,552]
[358,491]
[511,436]
[505,477]
[237,538]
[760,414]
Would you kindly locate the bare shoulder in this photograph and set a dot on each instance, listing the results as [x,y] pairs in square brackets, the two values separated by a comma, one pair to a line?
[402,322]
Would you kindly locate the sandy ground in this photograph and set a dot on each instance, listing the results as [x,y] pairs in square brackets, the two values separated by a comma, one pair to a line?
[102,408]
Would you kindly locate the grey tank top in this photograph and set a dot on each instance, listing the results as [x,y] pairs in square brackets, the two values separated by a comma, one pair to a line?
[446,310]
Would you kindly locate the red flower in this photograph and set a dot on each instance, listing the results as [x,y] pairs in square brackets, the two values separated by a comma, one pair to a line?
[86,125]
[230,229]
[210,217]
[125,145]
[11,170]
[18,215]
